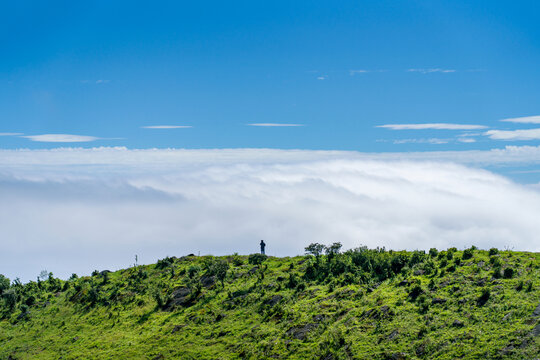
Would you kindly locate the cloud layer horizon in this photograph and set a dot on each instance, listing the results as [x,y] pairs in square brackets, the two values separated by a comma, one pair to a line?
[76,210]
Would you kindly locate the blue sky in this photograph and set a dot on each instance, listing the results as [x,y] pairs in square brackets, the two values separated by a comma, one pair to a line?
[105,70]
[168,128]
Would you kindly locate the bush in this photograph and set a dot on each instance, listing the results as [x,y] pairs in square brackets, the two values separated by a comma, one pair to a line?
[433,252]
[4,283]
[484,296]
[496,271]
[193,270]
[493,251]
[508,273]
[257,259]
[10,299]
[164,263]
[415,292]
[467,254]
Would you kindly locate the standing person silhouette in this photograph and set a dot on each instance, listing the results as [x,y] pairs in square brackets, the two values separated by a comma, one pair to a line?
[263,245]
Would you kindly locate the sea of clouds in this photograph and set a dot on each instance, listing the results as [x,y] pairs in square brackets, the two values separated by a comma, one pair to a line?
[75,210]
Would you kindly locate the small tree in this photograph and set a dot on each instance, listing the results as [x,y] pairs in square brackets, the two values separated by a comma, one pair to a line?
[315,249]
[333,249]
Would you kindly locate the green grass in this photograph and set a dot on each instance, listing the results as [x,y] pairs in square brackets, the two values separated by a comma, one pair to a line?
[330,309]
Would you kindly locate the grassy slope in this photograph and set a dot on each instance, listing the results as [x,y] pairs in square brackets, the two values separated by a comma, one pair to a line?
[361,321]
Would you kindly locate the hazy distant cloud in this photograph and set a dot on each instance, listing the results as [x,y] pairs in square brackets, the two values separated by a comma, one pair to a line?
[432,70]
[167,127]
[524,120]
[61,138]
[100,81]
[510,135]
[466,139]
[354,72]
[435,141]
[434,126]
[10,134]
[274,124]
[322,77]
[71,204]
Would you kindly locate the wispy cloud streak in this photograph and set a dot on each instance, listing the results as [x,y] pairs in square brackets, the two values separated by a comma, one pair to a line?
[167,127]
[432,126]
[524,120]
[61,138]
[274,125]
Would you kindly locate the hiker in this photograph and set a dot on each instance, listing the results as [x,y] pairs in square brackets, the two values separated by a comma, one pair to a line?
[262,246]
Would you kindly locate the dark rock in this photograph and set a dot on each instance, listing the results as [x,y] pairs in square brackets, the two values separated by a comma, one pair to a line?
[301,332]
[536,312]
[397,356]
[301,262]
[273,300]
[179,297]
[177,328]
[458,323]
[536,330]
[403,283]
[394,334]
[208,281]
[253,270]
[319,318]
[418,272]
[438,301]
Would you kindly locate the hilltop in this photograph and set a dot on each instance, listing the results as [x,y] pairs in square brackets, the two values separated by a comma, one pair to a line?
[359,304]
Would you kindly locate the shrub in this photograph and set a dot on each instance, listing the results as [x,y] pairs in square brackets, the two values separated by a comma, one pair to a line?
[484,296]
[495,261]
[4,283]
[257,259]
[10,299]
[193,270]
[529,286]
[519,286]
[467,254]
[496,271]
[493,251]
[164,263]
[415,292]
[433,252]
[508,273]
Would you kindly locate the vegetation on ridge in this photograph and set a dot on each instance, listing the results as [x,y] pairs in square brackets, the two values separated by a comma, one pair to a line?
[358,304]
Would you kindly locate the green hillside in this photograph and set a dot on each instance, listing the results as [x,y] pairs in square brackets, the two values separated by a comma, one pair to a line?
[359,304]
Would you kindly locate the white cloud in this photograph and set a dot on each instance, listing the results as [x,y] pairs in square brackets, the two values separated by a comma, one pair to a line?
[432,70]
[167,127]
[435,141]
[433,126]
[322,77]
[9,134]
[76,210]
[511,135]
[61,138]
[466,140]
[524,120]
[274,124]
